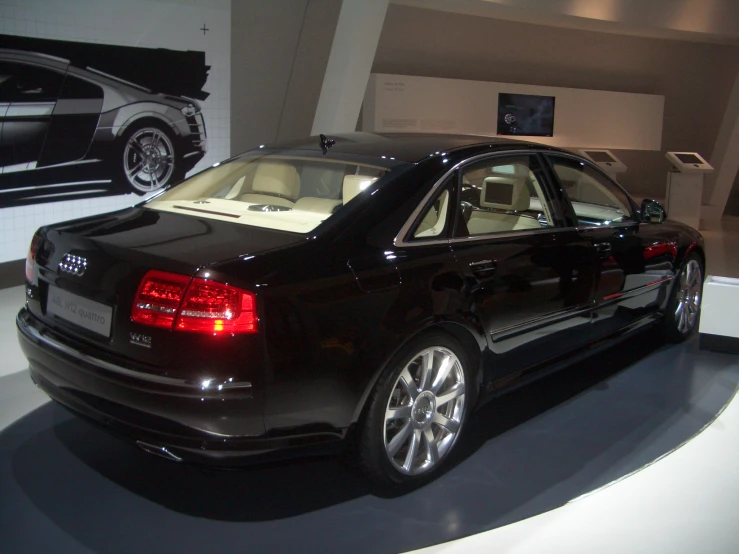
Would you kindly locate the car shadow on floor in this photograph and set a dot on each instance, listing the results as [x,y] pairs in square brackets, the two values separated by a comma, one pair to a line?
[522,454]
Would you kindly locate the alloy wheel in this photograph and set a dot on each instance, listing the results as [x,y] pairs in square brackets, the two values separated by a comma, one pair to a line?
[425,411]
[688,297]
[148,159]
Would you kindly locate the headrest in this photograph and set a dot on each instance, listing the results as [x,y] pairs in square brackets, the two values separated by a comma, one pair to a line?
[277,178]
[354,184]
[317,205]
[505,192]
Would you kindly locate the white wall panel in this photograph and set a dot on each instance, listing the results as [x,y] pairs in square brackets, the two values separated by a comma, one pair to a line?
[583,118]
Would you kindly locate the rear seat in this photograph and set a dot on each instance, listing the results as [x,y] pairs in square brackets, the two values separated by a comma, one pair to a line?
[509,195]
[274,183]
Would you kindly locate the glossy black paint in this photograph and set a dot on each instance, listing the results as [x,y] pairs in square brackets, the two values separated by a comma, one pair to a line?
[335,305]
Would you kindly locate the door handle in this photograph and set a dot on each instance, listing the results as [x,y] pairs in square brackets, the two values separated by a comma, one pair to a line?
[483,268]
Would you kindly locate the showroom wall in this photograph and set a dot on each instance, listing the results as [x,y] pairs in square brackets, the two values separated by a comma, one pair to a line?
[151,32]
[695,78]
[279,53]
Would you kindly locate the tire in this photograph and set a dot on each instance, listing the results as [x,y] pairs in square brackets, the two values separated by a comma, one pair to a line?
[683,308]
[147,159]
[407,435]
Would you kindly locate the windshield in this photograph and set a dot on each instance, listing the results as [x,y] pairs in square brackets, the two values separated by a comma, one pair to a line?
[287,193]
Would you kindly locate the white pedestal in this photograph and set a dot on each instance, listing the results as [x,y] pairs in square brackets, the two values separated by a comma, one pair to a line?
[719,323]
[684,197]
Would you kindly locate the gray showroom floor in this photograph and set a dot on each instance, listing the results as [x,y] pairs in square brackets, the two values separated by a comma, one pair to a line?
[67,487]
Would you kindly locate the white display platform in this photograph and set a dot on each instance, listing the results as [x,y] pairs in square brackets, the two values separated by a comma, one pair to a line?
[720,311]
[683,198]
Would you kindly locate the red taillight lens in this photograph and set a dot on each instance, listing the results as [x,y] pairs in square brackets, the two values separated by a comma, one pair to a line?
[173,301]
[158,298]
[31,257]
[211,307]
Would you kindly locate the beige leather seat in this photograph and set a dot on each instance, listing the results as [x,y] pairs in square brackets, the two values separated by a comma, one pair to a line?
[354,184]
[433,222]
[274,183]
[507,194]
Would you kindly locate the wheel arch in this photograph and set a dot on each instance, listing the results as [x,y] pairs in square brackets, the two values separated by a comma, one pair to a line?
[693,247]
[469,339]
[143,119]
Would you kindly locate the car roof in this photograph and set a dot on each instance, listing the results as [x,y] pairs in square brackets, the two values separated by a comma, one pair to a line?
[35,58]
[402,147]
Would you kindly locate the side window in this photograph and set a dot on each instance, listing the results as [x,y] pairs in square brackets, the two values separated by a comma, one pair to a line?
[433,223]
[503,194]
[78,89]
[595,200]
[28,83]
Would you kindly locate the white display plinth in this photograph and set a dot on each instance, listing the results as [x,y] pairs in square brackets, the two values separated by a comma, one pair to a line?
[684,197]
[719,323]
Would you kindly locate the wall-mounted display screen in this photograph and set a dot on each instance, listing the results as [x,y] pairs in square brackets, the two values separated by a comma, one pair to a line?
[525,115]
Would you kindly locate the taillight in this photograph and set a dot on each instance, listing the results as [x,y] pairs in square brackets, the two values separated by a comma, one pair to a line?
[31,257]
[173,301]
[211,307]
[158,298]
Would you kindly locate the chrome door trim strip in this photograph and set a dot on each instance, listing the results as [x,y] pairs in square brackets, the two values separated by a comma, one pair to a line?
[78,106]
[31,109]
[512,331]
[620,296]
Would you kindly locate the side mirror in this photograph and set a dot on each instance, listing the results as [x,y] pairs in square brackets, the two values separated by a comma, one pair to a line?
[652,211]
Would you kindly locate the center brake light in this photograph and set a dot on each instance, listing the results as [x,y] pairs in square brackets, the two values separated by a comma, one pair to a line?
[174,301]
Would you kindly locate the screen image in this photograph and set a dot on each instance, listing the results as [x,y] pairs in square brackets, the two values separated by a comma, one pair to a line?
[689,158]
[599,156]
[501,194]
[525,115]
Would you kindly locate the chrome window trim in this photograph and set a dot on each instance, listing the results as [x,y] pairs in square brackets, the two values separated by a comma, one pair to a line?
[402,236]
[625,224]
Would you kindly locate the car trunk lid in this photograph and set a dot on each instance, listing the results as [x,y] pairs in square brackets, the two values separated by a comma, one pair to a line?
[88,272]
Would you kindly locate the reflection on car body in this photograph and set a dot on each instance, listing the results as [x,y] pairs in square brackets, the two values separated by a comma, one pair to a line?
[399,281]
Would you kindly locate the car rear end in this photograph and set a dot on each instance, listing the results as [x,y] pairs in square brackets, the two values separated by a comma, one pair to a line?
[133,340]
[131,322]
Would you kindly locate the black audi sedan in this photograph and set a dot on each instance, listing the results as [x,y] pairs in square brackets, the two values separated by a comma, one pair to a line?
[362,289]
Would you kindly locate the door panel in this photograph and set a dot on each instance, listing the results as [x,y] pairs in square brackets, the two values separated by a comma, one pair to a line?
[74,122]
[532,293]
[626,290]
[30,93]
[531,279]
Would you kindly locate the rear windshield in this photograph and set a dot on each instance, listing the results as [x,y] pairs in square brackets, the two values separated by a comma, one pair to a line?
[286,193]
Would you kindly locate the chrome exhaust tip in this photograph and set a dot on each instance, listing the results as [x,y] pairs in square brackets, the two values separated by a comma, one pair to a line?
[160,451]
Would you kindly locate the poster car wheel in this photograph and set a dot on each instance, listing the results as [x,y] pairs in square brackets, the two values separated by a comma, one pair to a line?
[149,158]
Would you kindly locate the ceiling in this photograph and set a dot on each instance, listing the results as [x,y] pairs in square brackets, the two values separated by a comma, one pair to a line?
[713,21]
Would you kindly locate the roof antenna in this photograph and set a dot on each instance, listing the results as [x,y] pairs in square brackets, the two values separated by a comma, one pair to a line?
[326,143]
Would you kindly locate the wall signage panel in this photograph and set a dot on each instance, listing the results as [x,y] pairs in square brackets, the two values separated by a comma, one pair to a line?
[575,117]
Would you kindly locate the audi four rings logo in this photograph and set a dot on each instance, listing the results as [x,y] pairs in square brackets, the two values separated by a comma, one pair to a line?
[76,265]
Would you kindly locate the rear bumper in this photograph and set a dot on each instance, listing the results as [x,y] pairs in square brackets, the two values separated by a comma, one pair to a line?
[177,419]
